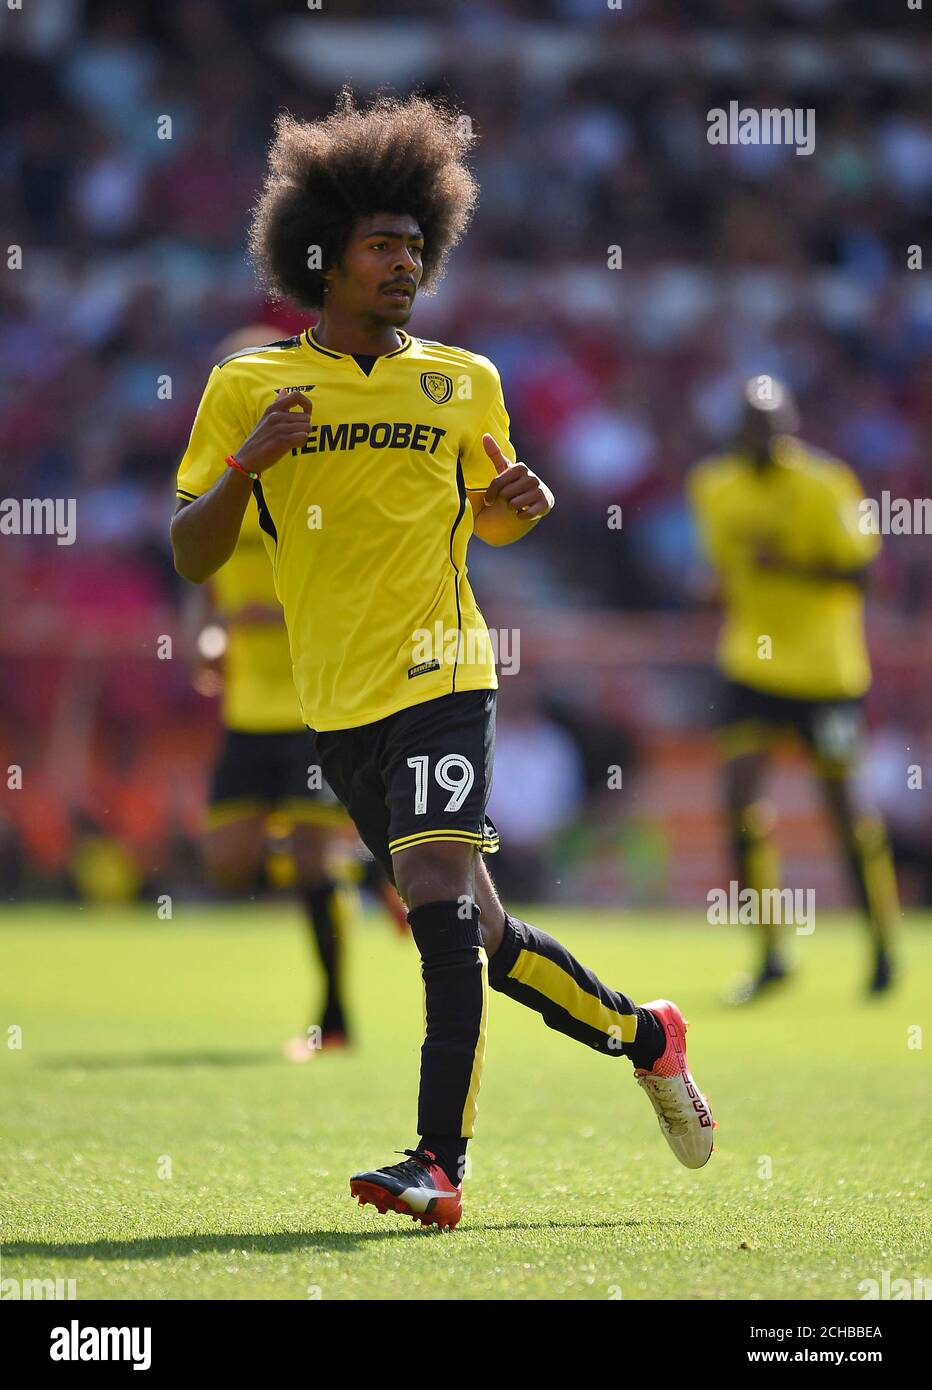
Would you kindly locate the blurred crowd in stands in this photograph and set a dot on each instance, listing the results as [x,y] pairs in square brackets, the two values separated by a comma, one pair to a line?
[625,275]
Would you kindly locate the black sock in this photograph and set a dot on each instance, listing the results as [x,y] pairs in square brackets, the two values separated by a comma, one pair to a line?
[773,967]
[449,1153]
[321,905]
[650,1041]
[454,973]
[538,971]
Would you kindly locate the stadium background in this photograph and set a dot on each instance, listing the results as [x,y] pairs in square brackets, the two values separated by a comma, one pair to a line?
[592,134]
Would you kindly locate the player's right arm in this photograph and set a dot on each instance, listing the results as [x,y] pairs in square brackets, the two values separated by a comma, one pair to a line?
[706,516]
[212,497]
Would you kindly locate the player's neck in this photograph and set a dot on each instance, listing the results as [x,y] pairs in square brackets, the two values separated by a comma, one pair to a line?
[761,459]
[351,335]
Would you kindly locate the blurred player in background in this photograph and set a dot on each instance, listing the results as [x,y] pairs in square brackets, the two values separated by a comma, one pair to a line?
[779,522]
[267,765]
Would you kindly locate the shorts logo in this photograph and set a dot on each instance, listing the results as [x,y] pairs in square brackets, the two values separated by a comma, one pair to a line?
[437,386]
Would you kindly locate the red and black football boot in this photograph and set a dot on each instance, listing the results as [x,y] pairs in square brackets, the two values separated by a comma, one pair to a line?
[418,1188]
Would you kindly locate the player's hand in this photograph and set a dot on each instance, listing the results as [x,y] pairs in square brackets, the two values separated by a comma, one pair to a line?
[209,660]
[515,484]
[207,679]
[281,428]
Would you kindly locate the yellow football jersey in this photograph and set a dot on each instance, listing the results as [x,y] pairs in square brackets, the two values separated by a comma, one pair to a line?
[259,695]
[367,523]
[785,633]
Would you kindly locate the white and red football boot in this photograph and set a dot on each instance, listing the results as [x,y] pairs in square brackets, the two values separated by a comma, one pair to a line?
[418,1188]
[683,1112]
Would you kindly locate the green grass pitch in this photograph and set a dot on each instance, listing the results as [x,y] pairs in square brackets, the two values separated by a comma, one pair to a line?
[157,1145]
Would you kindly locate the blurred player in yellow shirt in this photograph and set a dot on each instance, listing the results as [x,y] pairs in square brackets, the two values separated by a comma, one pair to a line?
[779,522]
[268,762]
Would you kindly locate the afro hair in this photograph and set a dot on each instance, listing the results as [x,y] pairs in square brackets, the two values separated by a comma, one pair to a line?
[401,155]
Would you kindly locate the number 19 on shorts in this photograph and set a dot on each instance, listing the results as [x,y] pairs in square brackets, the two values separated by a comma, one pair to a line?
[452,772]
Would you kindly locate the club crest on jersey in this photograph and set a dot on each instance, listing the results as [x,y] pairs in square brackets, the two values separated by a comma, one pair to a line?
[437,386]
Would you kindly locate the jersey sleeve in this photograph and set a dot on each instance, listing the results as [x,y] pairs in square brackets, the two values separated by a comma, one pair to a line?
[847,544]
[491,418]
[219,429]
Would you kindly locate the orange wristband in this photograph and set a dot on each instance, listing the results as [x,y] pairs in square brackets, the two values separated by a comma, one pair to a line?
[232,462]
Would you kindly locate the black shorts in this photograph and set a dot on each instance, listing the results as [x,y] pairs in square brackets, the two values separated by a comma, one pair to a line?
[753,719]
[421,774]
[258,773]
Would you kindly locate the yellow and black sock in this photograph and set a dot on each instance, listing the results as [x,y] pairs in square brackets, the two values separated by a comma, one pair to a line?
[757,866]
[538,971]
[455,973]
[871,863]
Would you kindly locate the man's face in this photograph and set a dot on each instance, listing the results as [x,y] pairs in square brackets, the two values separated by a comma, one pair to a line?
[380,270]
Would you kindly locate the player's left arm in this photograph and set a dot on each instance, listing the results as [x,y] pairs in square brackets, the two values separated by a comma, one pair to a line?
[828,570]
[513,503]
[827,573]
[506,497]
[847,548]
